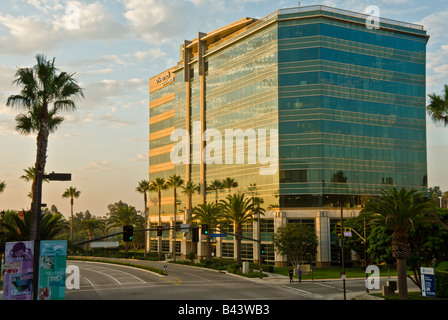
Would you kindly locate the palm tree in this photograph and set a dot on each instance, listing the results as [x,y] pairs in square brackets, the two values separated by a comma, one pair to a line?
[2,186]
[229,183]
[143,187]
[237,210]
[124,216]
[174,182]
[216,185]
[90,226]
[41,88]
[158,185]
[71,193]
[30,175]
[19,230]
[189,189]
[438,107]
[399,211]
[207,213]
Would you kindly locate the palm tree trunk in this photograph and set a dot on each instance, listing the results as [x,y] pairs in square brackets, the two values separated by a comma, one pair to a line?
[41,159]
[71,222]
[239,233]
[159,242]
[402,283]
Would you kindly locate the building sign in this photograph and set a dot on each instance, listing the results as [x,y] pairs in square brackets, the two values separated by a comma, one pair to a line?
[52,268]
[161,80]
[165,79]
[18,272]
[427,282]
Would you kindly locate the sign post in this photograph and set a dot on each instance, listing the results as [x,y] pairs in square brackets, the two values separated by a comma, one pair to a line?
[427,282]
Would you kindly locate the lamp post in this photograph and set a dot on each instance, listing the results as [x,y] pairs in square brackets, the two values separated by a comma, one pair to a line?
[38,211]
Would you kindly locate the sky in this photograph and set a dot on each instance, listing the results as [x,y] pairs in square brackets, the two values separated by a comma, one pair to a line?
[114,47]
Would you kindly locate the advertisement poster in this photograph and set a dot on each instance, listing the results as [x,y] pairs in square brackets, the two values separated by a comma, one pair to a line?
[18,273]
[52,265]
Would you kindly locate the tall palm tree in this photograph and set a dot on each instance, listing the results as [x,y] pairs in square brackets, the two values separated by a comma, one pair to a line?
[124,216]
[143,188]
[44,93]
[399,211]
[29,176]
[189,189]
[237,209]
[229,183]
[158,185]
[174,182]
[2,186]
[207,213]
[216,185]
[71,193]
[438,107]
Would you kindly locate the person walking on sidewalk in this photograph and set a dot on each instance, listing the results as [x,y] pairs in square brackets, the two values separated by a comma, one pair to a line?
[299,273]
[291,274]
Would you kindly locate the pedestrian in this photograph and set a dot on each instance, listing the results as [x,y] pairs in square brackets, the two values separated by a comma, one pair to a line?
[291,274]
[299,273]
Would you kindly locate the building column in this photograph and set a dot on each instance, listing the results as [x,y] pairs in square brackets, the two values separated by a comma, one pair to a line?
[323,256]
[280,220]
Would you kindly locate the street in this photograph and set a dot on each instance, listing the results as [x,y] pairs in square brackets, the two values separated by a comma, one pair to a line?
[101,281]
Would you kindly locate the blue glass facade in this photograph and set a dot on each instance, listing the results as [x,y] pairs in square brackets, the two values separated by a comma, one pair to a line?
[351,110]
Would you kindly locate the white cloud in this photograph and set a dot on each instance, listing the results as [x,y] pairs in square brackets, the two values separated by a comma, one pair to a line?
[157,21]
[95,23]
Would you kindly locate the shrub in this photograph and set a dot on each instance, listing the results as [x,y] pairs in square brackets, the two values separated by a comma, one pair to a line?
[441,283]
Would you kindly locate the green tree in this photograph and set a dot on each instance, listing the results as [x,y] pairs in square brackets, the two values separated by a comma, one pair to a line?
[2,186]
[215,185]
[44,93]
[19,229]
[438,107]
[90,226]
[71,193]
[207,213]
[229,183]
[124,215]
[174,182]
[238,210]
[297,241]
[399,211]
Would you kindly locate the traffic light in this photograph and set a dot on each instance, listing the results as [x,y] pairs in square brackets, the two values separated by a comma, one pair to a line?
[128,233]
[195,234]
[204,229]
[159,231]
[338,229]
[361,247]
[263,251]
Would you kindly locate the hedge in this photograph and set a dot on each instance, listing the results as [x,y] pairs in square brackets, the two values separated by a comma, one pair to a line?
[441,283]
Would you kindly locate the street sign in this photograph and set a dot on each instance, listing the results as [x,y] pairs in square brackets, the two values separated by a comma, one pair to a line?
[185,227]
[218,235]
[347,233]
[427,282]
[104,244]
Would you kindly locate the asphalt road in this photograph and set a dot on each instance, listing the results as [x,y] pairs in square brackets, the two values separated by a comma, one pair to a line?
[101,281]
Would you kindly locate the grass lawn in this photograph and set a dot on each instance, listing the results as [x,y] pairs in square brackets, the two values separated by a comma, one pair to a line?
[334,272]
[412,295]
